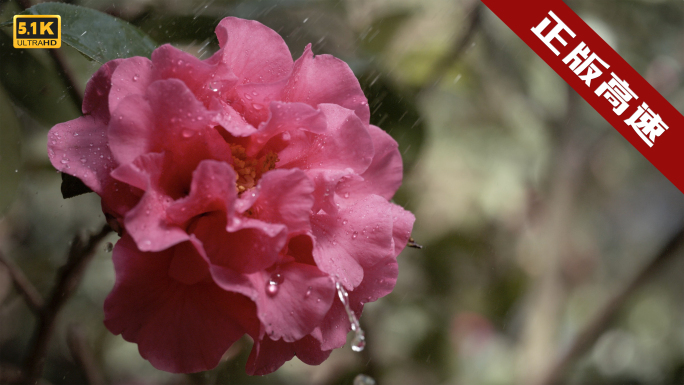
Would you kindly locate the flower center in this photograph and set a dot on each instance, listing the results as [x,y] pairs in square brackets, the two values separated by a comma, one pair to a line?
[249,170]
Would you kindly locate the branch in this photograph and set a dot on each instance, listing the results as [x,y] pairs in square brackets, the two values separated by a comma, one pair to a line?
[80,253]
[593,330]
[83,355]
[32,297]
[458,48]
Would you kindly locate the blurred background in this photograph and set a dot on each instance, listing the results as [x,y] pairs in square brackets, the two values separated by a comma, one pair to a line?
[534,213]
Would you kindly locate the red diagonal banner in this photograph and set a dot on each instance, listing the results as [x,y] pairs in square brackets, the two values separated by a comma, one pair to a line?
[605,80]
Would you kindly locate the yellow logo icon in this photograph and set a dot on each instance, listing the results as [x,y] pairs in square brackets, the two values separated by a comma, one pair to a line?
[37,31]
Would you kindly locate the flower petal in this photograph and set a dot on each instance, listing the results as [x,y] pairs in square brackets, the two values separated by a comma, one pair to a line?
[284,196]
[254,52]
[383,176]
[326,79]
[345,144]
[248,247]
[267,356]
[131,77]
[205,78]
[212,189]
[95,98]
[359,235]
[299,303]
[179,328]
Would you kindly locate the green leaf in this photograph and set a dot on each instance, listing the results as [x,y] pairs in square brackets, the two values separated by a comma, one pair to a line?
[33,86]
[96,35]
[10,156]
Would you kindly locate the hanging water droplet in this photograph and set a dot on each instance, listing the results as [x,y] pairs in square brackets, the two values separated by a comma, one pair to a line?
[363,379]
[109,247]
[359,340]
[273,284]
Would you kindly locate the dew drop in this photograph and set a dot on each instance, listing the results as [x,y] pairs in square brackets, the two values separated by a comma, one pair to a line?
[136,77]
[355,234]
[346,195]
[187,133]
[308,292]
[273,284]
[286,136]
[109,247]
[344,222]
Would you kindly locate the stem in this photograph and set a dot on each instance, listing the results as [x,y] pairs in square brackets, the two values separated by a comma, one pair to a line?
[32,297]
[593,330]
[83,355]
[458,48]
[68,279]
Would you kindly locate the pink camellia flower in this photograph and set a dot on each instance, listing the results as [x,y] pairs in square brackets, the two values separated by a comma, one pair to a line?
[246,187]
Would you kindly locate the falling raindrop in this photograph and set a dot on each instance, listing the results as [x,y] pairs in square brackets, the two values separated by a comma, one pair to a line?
[359,340]
[363,379]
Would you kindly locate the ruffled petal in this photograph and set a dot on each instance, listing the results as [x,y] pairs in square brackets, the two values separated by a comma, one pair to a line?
[96,96]
[297,303]
[156,122]
[383,176]
[179,328]
[267,356]
[249,246]
[346,143]
[402,225]
[205,78]
[212,189]
[284,196]
[359,235]
[254,52]
[131,77]
[326,79]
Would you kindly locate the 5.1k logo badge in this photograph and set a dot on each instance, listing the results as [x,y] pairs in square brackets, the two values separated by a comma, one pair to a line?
[37,31]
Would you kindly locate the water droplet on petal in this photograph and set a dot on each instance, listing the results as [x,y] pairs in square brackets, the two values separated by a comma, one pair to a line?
[346,195]
[286,136]
[188,133]
[308,292]
[273,284]
[355,234]
[136,77]
[344,222]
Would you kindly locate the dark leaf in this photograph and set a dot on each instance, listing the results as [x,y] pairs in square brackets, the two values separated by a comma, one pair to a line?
[96,35]
[72,186]
[33,86]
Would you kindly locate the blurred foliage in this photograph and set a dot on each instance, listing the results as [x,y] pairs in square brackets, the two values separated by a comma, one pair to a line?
[531,208]
[85,30]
